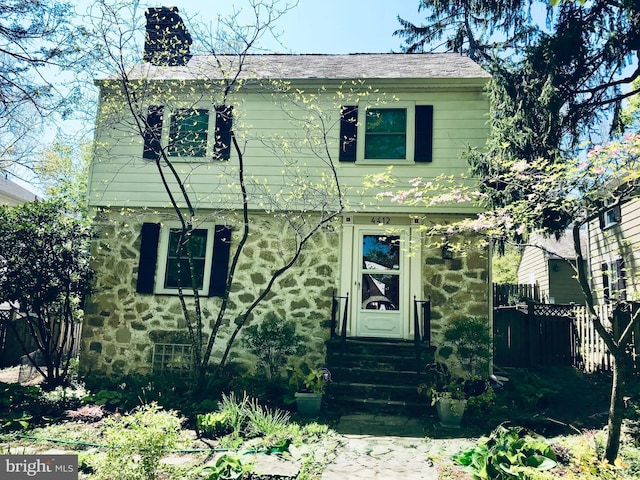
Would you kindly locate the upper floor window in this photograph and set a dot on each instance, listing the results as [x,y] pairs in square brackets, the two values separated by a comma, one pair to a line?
[610,216]
[385,133]
[186,133]
[403,132]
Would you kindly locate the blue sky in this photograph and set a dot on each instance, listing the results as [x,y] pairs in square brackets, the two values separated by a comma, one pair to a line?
[324,26]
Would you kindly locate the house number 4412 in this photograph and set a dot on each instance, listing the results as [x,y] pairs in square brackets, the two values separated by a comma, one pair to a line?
[381,220]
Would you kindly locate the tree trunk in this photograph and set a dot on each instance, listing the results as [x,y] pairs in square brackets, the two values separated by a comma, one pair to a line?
[621,374]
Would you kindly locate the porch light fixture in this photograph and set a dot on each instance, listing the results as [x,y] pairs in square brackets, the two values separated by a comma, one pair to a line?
[447,250]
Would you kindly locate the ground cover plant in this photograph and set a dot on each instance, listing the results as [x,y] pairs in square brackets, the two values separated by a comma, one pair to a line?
[563,410]
[114,444]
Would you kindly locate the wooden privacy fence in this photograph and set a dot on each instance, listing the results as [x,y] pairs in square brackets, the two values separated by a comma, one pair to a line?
[593,355]
[14,326]
[534,335]
[548,334]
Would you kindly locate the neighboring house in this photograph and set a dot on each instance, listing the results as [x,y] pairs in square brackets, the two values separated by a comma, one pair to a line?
[614,251]
[10,351]
[550,264]
[416,113]
[13,194]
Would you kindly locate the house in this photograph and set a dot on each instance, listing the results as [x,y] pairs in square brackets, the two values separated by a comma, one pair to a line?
[614,252]
[309,129]
[549,263]
[13,194]
[10,351]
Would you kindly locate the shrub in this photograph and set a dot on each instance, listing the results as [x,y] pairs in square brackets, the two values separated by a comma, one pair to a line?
[507,453]
[227,467]
[136,442]
[273,341]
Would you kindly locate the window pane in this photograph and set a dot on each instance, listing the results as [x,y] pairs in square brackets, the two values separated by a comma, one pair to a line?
[386,133]
[380,292]
[381,252]
[171,277]
[197,244]
[188,133]
[385,146]
[386,120]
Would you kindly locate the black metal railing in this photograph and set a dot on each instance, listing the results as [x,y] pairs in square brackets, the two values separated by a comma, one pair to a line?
[422,321]
[338,312]
[421,329]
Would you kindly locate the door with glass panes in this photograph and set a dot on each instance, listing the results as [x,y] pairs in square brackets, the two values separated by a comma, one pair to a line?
[380,271]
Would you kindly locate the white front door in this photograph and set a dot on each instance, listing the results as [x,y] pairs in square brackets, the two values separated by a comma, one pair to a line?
[381,306]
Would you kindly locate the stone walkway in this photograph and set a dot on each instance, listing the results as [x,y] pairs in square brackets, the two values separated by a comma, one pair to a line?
[387,447]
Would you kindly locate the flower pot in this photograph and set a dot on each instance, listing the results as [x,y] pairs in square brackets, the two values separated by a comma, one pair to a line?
[450,411]
[308,404]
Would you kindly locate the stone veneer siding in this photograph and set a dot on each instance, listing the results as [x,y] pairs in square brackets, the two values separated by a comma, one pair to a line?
[458,288]
[121,325]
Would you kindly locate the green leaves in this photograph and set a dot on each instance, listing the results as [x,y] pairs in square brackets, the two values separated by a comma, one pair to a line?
[507,453]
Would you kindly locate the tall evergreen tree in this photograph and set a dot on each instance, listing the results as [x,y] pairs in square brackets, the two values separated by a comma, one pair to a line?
[561,70]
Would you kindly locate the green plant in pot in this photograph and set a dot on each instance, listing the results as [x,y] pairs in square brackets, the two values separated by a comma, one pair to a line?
[447,393]
[310,385]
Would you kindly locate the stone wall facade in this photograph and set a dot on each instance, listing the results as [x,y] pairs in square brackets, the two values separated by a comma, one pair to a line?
[458,288]
[122,326]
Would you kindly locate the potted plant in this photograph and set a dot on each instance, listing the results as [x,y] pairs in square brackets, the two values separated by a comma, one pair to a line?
[450,403]
[310,384]
[448,394]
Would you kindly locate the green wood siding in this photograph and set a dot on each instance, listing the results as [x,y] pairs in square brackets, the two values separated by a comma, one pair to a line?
[620,241]
[121,177]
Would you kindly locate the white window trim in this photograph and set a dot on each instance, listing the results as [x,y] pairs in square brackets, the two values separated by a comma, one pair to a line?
[410,107]
[609,212]
[163,250]
[166,128]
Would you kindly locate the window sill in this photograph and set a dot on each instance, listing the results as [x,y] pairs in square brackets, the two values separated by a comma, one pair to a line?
[382,161]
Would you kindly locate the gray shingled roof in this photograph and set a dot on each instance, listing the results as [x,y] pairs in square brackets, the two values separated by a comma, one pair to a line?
[349,66]
[561,248]
[12,193]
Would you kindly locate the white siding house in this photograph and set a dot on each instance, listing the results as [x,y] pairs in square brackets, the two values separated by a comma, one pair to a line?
[309,129]
[614,250]
[550,263]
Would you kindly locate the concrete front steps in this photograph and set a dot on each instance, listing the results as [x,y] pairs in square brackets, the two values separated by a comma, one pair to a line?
[375,375]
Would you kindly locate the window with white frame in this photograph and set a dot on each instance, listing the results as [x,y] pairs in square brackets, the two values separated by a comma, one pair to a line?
[164,259]
[185,132]
[397,133]
[188,132]
[178,250]
[613,281]
[610,216]
[385,133]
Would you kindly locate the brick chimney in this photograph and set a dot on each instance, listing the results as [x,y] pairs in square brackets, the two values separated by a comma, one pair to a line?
[167,41]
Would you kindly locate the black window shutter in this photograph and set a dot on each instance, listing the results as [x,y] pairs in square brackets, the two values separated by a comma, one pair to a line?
[424,134]
[348,133]
[605,282]
[153,133]
[222,143]
[600,207]
[617,212]
[621,287]
[220,264]
[148,257]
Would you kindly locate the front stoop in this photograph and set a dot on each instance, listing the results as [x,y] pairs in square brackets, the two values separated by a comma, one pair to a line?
[375,375]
